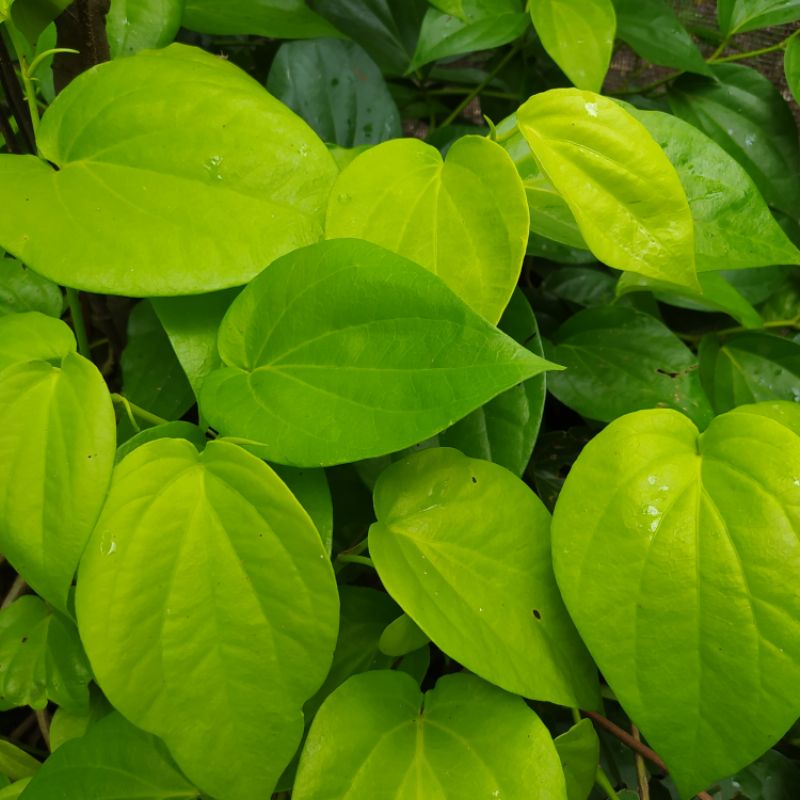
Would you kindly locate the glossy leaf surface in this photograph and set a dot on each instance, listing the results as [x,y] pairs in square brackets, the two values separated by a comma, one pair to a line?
[41,658]
[378,738]
[654,31]
[749,368]
[579,36]
[738,16]
[619,360]
[579,751]
[743,112]
[625,195]
[204,571]
[190,181]
[733,227]
[318,376]
[460,538]
[113,761]
[21,290]
[464,218]
[133,25]
[675,554]
[56,452]
[280,19]
[484,24]
[33,336]
[337,89]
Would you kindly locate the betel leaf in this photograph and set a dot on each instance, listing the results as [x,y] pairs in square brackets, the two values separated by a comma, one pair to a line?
[31,17]
[739,16]
[654,31]
[66,724]
[33,336]
[279,19]
[169,430]
[337,89]
[676,555]
[579,751]
[317,375]
[15,763]
[401,636]
[459,538]
[151,374]
[21,289]
[716,294]
[56,453]
[771,777]
[133,25]
[626,196]
[177,173]
[465,218]
[378,738]
[453,7]
[41,658]
[483,25]
[620,360]
[310,487]
[387,29]
[579,36]
[203,570]
[744,113]
[192,324]
[112,760]
[733,228]
[791,67]
[749,368]
[585,287]
[504,430]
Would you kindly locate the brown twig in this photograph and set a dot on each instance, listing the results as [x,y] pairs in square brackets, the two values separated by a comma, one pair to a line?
[17,588]
[642,777]
[638,747]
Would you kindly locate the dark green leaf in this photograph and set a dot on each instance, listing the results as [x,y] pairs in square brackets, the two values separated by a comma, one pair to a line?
[579,751]
[21,289]
[337,89]
[738,16]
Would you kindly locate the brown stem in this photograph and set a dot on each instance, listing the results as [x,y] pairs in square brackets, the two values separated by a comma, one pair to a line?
[642,777]
[637,747]
[81,27]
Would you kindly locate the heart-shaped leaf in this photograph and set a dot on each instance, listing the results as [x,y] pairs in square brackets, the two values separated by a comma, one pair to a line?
[176,173]
[677,556]
[459,538]
[465,219]
[204,571]
[378,738]
[343,351]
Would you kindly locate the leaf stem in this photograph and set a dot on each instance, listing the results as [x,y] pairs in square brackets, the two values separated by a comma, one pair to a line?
[42,56]
[78,322]
[133,410]
[481,86]
[762,51]
[17,588]
[642,778]
[637,747]
[601,779]
[349,558]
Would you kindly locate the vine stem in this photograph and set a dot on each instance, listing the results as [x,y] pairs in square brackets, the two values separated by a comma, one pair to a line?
[601,779]
[17,588]
[78,323]
[637,747]
[349,558]
[136,411]
[481,86]
[642,777]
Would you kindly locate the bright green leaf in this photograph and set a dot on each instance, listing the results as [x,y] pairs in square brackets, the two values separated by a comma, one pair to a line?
[278,19]
[56,453]
[579,36]
[378,738]
[21,290]
[626,196]
[169,430]
[14,790]
[401,636]
[654,31]
[191,179]
[67,724]
[485,24]
[619,360]
[464,218]
[133,25]
[738,16]
[192,324]
[204,571]
[676,555]
[337,89]
[33,336]
[310,487]
[579,751]
[453,7]
[733,228]
[318,376]
[749,368]
[113,761]
[744,113]
[459,538]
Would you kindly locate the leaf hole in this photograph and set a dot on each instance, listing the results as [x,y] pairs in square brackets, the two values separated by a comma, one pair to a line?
[537,613]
